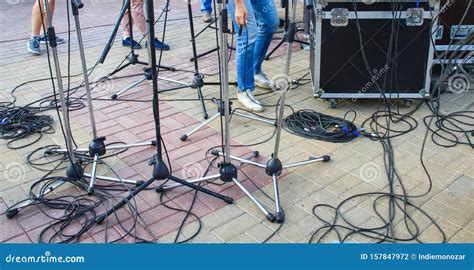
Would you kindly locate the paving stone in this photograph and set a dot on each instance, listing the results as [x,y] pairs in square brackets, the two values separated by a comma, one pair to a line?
[222,216]
[301,230]
[235,227]
[449,201]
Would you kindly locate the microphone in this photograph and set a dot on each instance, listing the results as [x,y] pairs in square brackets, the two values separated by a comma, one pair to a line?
[283,3]
[77,3]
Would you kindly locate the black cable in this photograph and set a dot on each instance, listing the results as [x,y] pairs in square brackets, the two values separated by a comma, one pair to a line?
[381,126]
[313,125]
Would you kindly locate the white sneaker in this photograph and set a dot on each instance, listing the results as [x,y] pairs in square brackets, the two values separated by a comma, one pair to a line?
[263,81]
[252,97]
[250,103]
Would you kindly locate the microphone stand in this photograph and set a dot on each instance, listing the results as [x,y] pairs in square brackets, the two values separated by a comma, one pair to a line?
[274,166]
[74,170]
[97,147]
[197,82]
[131,57]
[286,34]
[160,169]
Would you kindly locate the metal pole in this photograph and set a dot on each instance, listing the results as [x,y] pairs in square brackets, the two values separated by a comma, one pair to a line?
[281,107]
[222,10]
[62,99]
[84,72]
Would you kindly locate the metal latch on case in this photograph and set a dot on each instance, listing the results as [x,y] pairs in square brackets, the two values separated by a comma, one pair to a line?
[339,17]
[414,17]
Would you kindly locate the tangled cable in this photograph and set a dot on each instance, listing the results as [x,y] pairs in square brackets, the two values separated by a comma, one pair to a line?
[17,123]
[314,125]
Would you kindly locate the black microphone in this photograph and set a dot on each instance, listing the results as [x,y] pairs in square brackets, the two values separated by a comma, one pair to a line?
[240,29]
[77,3]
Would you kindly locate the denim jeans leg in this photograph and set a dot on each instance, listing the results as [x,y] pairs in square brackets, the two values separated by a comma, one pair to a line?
[267,21]
[245,48]
[206,6]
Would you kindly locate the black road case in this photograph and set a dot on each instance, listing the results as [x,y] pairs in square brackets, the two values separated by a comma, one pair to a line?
[360,48]
[455,38]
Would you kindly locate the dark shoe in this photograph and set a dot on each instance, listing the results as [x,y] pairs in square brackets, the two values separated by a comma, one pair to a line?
[159,45]
[128,43]
[33,45]
[58,40]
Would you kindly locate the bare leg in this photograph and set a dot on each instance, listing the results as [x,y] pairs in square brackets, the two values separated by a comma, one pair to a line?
[36,18]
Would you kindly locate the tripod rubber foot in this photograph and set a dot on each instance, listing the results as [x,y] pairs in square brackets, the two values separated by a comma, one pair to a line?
[228,199]
[114,96]
[326,158]
[206,116]
[100,219]
[139,183]
[12,213]
[184,137]
[90,191]
[215,152]
[271,217]
[159,189]
[280,217]
[256,153]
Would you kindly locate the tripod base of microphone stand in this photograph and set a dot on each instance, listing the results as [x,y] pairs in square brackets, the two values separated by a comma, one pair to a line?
[11,213]
[75,171]
[136,183]
[274,168]
[228,173]
[160,170]
[280,217]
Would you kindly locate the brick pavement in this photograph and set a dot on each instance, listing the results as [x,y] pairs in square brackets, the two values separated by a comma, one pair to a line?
[449,202]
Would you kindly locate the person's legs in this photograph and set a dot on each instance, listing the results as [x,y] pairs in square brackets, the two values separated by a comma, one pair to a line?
[245,58]
[126,23]
[245,48]
[138,16]
[39,20]
[36,22]
[206,10]
[206,6]
[267,21]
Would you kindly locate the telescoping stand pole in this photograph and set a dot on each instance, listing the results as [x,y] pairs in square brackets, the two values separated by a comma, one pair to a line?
[160,169]
[97,147]
[197,82]
[227,170]
[273,167]
[74,170]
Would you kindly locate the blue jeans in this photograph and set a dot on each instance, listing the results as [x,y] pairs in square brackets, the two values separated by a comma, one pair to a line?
[256,36]
[206,6]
